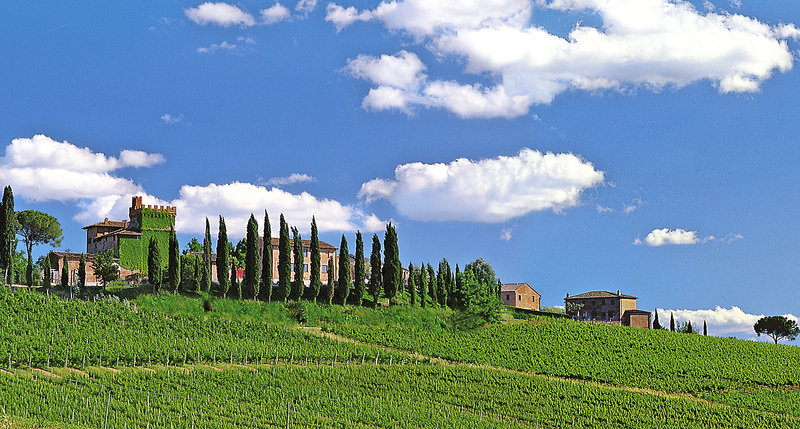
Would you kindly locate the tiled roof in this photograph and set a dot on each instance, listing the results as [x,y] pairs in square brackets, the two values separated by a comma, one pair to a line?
[111,223]
[510,287]
[600,294]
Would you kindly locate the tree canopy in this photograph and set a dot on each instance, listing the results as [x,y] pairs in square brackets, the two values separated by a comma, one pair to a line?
[777,327]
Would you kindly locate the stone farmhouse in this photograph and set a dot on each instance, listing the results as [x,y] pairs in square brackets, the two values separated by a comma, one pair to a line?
[607,307]
[520,295]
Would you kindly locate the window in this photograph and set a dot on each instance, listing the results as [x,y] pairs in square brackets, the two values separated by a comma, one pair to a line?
[305,268]
[324,268]
[520,298]
[533,298]
[305,252]
[508,297]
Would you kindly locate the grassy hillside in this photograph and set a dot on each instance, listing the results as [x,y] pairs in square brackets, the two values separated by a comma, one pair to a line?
[165,362]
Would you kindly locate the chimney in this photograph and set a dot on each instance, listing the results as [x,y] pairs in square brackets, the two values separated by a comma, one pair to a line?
[619,292]
[567,294]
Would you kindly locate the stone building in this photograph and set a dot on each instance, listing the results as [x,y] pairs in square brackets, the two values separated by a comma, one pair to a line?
[607,307]
[520,295]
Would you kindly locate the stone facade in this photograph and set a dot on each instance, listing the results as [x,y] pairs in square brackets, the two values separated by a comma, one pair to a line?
[606,307]
[520,295]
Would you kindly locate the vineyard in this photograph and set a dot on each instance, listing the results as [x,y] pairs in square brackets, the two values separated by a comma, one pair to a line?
[121,364]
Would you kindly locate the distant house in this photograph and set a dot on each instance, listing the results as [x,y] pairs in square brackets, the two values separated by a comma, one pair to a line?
[607,307]
[520,295]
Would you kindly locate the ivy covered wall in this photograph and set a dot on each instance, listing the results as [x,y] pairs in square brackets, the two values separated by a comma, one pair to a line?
[133,250]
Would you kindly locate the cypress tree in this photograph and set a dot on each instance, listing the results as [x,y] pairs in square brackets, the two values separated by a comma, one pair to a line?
[705,329]
[297,255]
[689,329]
[358,271]
[235,285]
[266,261]
[458,292]
[412,288]
[423,285]
[174,261]
[223,258]
[439,285]
[392,270]
[375,283]
[284,261]
[8,232]
[205,275]
[29,271]
[65,271]
[48,276]
[656,323]
[331,280]
[81,271]
[431,285]
[671,322]
[316,282]
[154,270]
[343,286]
[251,262]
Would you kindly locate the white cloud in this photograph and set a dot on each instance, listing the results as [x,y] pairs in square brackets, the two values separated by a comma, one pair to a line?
[222,14]
[222,46]
[722,322]
[404,71]
[275,14]
[42,169]
[603,209]
[171,119]
[665,236]
[649,44]
[491,190]
[306,6]
[505,234]
[292,178]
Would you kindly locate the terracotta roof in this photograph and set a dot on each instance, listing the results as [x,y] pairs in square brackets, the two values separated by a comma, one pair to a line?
[111,223]
[510,287]
[600,294]
[73,256]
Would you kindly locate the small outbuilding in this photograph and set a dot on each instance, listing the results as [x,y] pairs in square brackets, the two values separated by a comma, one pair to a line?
[520,295]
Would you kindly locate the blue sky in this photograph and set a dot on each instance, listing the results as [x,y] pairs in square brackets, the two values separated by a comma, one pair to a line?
[648,146]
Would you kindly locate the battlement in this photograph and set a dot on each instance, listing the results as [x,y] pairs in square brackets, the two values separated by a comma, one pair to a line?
[137,206]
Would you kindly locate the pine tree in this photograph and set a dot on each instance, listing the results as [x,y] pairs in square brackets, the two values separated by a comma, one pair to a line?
[284,261]
[358,271]
[205,275]
[251,260]
[65,271]
[223,258]
[297,255]
[8,232]
[266,261]
[154,269]
[705,329]
[316,283]
[412,287]
[375,269]
[671,322]
[392,270]
[81,271]
[329,290]
[422,274]
[343,286]
[174,261]
[47,280]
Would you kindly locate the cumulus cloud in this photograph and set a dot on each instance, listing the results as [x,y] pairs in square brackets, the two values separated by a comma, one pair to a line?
[490,190]
[666,236]
[306,6]
[648,44]
[43,169]
[275,14]
[222,14]
[292,178]
[722,322]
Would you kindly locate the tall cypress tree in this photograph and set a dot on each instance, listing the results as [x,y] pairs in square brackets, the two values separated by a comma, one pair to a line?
[205,275]
[65,271]
[359,271]
[656,323]
[47,280]
[316,282]
[8,232]
[329,290]
[432,285]
[235,285]
[297,255]
[689,329]
[412,288]
[266,261]
[81,271]
[671,322]
[223,258]
[705,329]
[422,275]
[154,269]
[392,269]
[174,261]
[458,291]
[343,286]
[375,284]
[284,261]
[251,263]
